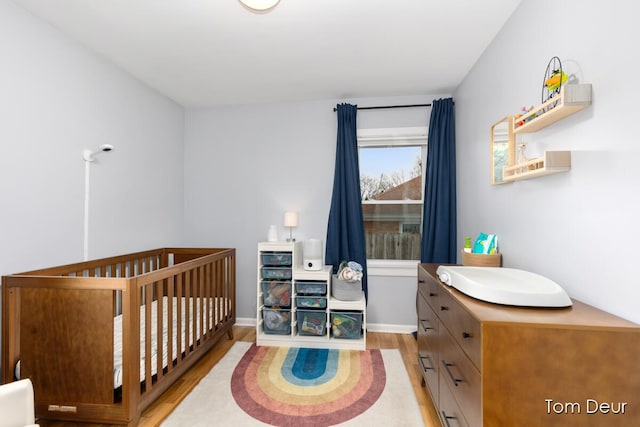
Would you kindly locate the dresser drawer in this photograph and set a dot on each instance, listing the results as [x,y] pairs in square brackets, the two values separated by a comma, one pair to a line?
[461,377]
[428,360]
[428,322]
[448,409]
[423,279]
[463,327]
[429,288]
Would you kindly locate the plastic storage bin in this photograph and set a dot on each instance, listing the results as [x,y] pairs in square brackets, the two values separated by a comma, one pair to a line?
[276,321]
[346,324]
[311,322]
[276,258]
[276,293]
[311,287]
[311,302]
[276,273]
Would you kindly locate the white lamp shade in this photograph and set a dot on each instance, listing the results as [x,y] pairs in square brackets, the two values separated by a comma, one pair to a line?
[291,219]
[259,4]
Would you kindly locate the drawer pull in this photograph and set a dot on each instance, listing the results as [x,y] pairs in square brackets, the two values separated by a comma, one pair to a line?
[425,328]
[453,378]
[420,281]
[444,308]
[432,294]
[424,367]
[446,418]
[466,335]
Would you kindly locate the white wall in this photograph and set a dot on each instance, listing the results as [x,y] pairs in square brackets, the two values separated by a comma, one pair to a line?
[245,166]
[578,228]
[57,98]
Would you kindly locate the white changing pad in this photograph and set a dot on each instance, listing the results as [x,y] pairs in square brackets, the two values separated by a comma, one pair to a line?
[508,286]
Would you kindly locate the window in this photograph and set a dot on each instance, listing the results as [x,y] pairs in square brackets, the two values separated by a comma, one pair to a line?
[392,163]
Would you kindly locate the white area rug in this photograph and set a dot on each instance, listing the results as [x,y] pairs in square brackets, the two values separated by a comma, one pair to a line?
[211,403]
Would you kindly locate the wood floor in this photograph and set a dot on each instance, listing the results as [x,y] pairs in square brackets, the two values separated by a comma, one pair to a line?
[154,415]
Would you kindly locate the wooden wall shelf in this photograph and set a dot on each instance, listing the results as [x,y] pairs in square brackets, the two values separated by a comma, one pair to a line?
[572,98]
[552,162]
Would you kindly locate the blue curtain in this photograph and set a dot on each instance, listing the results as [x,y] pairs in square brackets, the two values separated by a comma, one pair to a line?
[345,230]
[439,228]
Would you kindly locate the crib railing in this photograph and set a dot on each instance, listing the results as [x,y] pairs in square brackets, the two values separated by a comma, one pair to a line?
[204,287]
[117,266]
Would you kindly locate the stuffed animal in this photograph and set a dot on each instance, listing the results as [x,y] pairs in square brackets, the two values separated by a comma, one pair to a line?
[350,271]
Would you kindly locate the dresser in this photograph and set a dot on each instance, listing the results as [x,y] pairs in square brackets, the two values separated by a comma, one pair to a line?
[486,364]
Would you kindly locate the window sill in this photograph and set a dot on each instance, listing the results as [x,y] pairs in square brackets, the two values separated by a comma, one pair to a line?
[379,267]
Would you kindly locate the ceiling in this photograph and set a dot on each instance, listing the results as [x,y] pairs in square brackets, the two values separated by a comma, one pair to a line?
[217,52]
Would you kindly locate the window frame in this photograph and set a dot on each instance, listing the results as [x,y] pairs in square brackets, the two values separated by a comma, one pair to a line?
[395,137]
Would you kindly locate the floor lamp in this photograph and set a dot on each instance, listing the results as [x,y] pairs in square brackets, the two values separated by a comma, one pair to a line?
[89,156]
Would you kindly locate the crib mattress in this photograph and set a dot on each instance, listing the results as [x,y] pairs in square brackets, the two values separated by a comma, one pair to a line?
[217,307]
[117,327]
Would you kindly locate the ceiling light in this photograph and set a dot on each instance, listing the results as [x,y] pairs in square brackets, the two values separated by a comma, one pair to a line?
[259,4]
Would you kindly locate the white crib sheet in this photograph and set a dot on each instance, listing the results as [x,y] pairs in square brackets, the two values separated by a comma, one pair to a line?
[117,328]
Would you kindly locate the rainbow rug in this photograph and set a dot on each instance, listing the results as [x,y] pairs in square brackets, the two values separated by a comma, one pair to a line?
[258,386]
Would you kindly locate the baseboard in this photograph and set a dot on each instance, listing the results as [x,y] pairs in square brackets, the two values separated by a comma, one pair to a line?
[371,327]
[391,329]
[246,321]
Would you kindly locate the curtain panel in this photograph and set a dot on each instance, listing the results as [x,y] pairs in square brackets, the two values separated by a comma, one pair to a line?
[345,230]
[439,224]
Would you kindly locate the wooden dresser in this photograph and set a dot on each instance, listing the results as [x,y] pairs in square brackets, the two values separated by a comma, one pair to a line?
[492,365]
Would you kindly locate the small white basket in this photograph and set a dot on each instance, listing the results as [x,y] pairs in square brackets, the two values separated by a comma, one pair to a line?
[346,291]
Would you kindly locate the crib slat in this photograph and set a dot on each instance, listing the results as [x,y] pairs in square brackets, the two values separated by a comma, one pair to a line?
[147,336]
[215,313]
[220,307]
[170,322]
[201,329]
[208,295]
[187,311]
[179,326]
[218,293]
[159,329]
[193,302]
[218,298]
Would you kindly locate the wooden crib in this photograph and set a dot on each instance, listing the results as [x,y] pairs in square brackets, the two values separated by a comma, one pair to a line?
[95,338]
